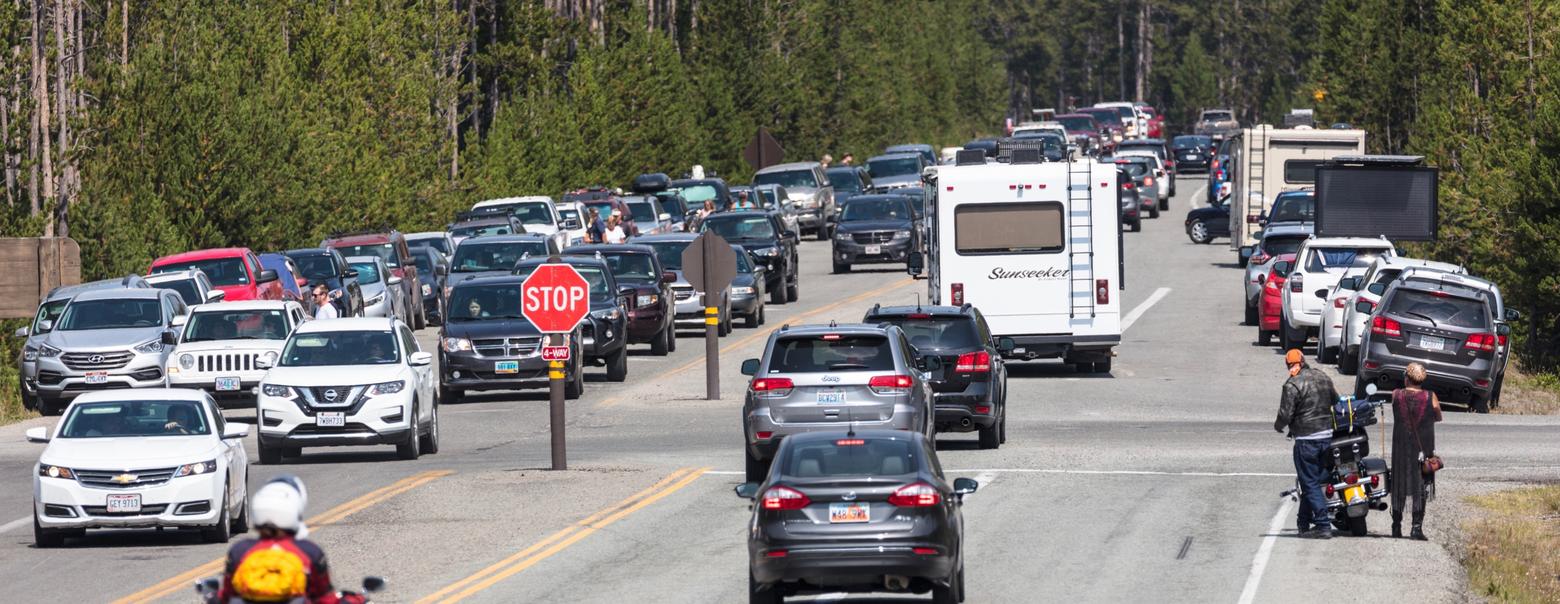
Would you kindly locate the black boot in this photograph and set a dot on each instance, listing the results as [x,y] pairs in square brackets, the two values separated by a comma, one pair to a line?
[1397,526]
[1417,533]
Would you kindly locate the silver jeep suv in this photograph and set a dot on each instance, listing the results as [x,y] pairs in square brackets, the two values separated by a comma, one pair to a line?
[107,339]
[830,377]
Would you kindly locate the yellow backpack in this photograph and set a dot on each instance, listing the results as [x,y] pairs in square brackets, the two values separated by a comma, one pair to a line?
[272,574]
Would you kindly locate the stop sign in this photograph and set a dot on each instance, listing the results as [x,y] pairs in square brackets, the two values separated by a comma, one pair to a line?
[554,298]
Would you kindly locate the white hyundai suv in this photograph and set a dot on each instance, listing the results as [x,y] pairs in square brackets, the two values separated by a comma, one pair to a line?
[347,382]
[222,346]
[1319,264]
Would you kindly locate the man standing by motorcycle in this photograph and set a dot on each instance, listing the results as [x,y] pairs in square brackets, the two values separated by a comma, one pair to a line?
[1306,411]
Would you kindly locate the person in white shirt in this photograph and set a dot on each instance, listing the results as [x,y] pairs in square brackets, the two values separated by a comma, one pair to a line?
[615,233]
[323,308]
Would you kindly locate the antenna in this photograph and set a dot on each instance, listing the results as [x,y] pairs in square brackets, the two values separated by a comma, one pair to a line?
[851,418]
[833,323]
[917,301]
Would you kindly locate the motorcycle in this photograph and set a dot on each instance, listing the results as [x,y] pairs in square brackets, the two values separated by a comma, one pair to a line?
[1356,481]
[206,589]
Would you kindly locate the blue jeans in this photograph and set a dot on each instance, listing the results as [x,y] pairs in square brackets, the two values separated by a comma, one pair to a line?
[1313,500]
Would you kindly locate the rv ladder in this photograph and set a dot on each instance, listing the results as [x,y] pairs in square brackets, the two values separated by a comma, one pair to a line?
[1257,177]
[1080,235]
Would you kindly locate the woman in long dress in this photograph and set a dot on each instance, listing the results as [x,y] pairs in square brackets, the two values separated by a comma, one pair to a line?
[1414,414]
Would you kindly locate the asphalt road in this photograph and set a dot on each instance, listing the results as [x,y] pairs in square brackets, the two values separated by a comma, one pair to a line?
[1158,483]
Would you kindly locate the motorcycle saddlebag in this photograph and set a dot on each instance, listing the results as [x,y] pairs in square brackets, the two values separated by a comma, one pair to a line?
[1374,466]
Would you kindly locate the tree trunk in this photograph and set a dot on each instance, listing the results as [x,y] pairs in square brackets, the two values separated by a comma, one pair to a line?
[1145,50]
[124,33]
[1121,51]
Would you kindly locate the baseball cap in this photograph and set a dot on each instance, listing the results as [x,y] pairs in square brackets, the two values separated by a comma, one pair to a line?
[1294,357]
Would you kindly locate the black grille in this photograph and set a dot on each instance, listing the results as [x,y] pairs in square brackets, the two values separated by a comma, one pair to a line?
[97,361]
[331,397]
[123,479]
[349,428]
[507,347]
[146,510]
[105,386]
[225,361]
[873,237]
[50,377]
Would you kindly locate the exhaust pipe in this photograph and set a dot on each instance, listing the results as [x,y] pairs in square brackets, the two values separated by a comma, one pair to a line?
[965,423]
[896,582]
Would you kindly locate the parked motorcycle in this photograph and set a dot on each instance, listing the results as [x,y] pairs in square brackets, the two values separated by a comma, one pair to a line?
[1356,481]
[206,589]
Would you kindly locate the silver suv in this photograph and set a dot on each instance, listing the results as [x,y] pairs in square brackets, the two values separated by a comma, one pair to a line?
[107,339]
[828,377]
[49,310]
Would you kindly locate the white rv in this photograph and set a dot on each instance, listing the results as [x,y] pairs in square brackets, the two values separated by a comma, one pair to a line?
[1269,161]
[1037,248]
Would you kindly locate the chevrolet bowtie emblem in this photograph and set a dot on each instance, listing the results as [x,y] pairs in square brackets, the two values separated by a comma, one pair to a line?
[125,478]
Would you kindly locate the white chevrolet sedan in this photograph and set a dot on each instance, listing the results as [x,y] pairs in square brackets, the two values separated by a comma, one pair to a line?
[152,457]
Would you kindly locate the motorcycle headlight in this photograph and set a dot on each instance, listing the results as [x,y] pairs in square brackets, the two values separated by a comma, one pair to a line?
[277,391]
[644,300]
[56,472]
[195,469]
[742,291]
[457,345]
[152,347]
[46,351]
[387,388]
[187,361]
[29,354]
[427,289]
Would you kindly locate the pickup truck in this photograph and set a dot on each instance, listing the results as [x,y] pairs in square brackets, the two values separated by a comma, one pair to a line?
[1217,121]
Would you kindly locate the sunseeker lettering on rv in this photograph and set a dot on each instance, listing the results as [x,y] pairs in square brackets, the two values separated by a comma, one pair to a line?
[1049,273]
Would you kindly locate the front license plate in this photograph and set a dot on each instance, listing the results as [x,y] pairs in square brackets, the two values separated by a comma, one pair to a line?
[874,249]
[831,398]
[124,504]
[843,513]
[97,377]
[1432,342]
[330,419]
[506,367]
[227,384]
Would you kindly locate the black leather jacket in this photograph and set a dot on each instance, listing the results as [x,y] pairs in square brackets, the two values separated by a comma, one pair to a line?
[1306,406]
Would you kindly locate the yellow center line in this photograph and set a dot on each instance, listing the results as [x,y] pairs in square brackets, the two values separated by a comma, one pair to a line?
[331,516]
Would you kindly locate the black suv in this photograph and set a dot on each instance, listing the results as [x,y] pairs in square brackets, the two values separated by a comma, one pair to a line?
[486,344]
[875,229]
[603,334]
[328,266]
[763,234]
[650,318]
[969,389]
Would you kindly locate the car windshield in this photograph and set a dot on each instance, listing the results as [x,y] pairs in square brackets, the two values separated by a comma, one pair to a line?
[767,197]
[1077,123]
[832,352]
[533,212]
[643,211]
[438,243]
[477,302]
[845,180]
[875,209]
[672,204]
[325,348]
[481,230]
[221,271]
[1123,112]
[851,457]
[1134,169]
[569,214]
[83,315]
[1337,260]
[367,272]
[1439,308]
[1278,246]
[893,166]
[937,333]
[473,256]
[737,226]
[1217,116]
[383,250]
[788,179]
[1157,148]
[636,267]
[698,194]
[135,418]
[316,267]
[1294,207]
[48,311]
[1193,142]
[236,325]
[187,289]
[669,253]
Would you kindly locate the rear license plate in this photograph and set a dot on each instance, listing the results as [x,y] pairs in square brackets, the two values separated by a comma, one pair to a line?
[831,398]
[506,367]
[1192,156]
[124,504]
[330,419]
[844,513]
[874,249]
[97,377]
[227,384]
[1431,342]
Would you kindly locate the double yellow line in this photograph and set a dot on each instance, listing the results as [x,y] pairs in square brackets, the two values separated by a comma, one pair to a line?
[336,514]
[560,540]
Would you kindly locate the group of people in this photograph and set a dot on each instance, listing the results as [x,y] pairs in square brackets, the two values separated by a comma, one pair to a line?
[1306,411]
[828,160]
[605,231]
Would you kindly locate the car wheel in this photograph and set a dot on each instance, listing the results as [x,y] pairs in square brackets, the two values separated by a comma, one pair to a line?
[430,443]
[412,448]
[222,531]
[1284,340]
[841,267]
[823,233]
[43,537]
[751,321]
[1002,421]
[575,387]
[1479,404]
[1153,211]
[1198,232]
[1252,314]
[49,407]
[756,470]
[761,318]
[1348,360]
[1164,204]
[269,455]
[1137,225]
[793,291]
[241,523]
[1359,388]
[724,329]
[948,593]
[617,365]
[1495,394]
[659,346]
[777,295]
[758,593]
[991,437]
[671,336]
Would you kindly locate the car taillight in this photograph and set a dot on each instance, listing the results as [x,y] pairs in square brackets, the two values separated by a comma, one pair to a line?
[1102,291]
[772,387]
[1297,283]
[918,495]
[1501,340]
[957,293]
[1260,258]
[1127,186]
[784,498]
[1385,326]
[890,384]
[1338,302]
[1481,341]
[973,362]
[1148,181]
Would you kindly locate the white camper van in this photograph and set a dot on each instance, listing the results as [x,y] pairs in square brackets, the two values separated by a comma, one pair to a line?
[1269,161]
[1036,246]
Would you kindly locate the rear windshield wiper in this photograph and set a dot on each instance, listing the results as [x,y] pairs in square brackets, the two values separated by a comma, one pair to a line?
[1433,323]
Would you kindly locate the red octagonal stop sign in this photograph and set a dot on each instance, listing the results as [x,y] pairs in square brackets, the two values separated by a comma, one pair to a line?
[554,298]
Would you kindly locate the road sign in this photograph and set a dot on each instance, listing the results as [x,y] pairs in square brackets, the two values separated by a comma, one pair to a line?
[33,267]
[554,298]
[555,353]
[709,263]
[763,151]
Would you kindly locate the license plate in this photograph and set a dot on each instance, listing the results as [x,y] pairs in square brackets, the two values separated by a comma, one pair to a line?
[330,419]
[874,249]
[831,398]
[97,377]
[227,384]
[506,367]
[1432,342]
[124,504]
[1192,156]
[843,513]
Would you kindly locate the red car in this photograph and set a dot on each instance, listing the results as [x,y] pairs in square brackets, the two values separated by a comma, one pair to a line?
[234,270]
[1270,304]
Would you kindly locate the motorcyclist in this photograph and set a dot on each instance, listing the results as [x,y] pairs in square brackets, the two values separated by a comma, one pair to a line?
[279,564]
[1306,411]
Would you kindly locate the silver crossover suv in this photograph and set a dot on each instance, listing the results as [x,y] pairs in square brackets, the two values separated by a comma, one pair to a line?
[107,339]
[831,377]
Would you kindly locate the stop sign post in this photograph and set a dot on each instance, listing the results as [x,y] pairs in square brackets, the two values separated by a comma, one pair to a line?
[554,298]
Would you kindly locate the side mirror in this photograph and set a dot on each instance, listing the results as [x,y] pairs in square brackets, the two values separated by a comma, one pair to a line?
[266,276]
[664,217]
[750,367]
[1349,283]
[569,224]
[39,434]
[348,274]
[668,277]
[421,359]
[1377,288]
[441,270]
[393,280]
[170,337]
[180,320]
[931,363]
[792,235]
[915,264]
[373,584]
[22,333]
[1503,329]
[965,486]
[1281,268]
[1363,307]
[1511,315]
[216,295]
[235,430]
[45,325]
[747,490]
[1006,345]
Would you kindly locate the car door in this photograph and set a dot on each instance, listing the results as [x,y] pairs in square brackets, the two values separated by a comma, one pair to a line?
[424,373]
[232,453]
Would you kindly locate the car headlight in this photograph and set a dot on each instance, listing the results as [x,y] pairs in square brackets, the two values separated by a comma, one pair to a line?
[187,361]
[767,251]
[610,314]
[375,300]
[46,351]
[29,354]
[387,388]
[456,345]
[427,290]
[841,236]
[277,391]
[152,347]
[55,471]
[741,291]
[901,234]
[194,469]
[644,300]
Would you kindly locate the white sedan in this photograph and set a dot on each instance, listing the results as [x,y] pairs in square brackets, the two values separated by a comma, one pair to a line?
[152,457]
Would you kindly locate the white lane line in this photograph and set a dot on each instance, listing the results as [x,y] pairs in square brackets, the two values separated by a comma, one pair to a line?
[986,474]
[1154,298]
[984,479]
[1198,198]
[1259,563]
[19,522]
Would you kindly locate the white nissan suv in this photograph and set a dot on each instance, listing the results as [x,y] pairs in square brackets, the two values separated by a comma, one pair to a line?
[344,382]
[1319,264]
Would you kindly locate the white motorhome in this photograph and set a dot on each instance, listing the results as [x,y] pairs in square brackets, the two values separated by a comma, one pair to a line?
[1269,161]
[1036,246]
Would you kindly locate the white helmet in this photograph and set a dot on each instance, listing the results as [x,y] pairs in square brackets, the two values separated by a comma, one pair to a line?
[279,505]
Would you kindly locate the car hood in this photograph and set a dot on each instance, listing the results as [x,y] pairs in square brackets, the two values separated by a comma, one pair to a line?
[457,278]
[855,226]
[903,180]
[752,244]
[801,192]
[101,338]
[334,375]
[129,452]
[542,229]
[744,280]
[1207,213]
[642,286]
[490,328]
[230,346]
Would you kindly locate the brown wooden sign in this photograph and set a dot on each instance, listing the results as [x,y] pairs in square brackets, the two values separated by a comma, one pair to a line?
[30,267]
[763,151]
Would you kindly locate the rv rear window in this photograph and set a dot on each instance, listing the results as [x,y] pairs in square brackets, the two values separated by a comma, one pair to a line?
[1010,228]
[1301,171]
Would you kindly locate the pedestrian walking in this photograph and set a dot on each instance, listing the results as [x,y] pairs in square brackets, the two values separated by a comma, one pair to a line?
[1305,409]
[1414,414]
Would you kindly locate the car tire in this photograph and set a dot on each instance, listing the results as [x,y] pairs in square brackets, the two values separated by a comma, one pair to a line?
[1264,337]
[724,329]
[222,531]
[759,593]
[948,594]
[777,295]
[241,523]
[991,437]
[430,443]
[841,267]
[793,290]
[761,318]
[1322,355]
[1359,387]
[659,346]
[751,321]
[1495,394]
[43,538]
[1164,204]
[671,336]
[1153,212]
[412,448]
[755,470]
[1286,338]
[1137,225]
[575,387]
[1002,421]
[1348,360]
[823,232]
[50,407]
[1102,366]
[617,365]
[1198,233]
[1252,315]
[1479,404]
[269,455]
